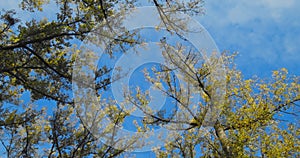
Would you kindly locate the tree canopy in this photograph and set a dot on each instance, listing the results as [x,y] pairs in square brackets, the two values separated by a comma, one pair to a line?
[231,117]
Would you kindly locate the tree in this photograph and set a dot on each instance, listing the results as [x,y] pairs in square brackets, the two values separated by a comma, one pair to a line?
[37,57]
[251,121]
[34,59]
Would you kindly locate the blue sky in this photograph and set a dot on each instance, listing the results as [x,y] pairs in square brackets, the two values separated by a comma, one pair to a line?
[266,33]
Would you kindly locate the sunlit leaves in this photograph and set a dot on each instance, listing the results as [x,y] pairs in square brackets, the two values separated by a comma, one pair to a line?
[36,59]
[33,4]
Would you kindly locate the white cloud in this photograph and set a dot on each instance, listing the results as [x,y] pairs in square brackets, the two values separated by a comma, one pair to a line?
[268,30]
[242,11]
[261,30]
[278,4]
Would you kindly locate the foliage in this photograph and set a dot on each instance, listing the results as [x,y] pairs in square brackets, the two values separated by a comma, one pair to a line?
[36,59]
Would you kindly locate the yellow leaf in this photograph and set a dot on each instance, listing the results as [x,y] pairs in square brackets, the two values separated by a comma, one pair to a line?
[10,119]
